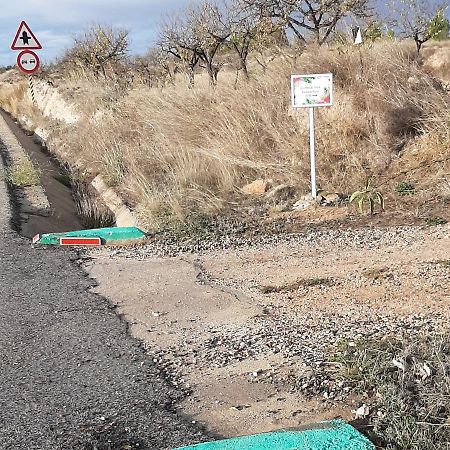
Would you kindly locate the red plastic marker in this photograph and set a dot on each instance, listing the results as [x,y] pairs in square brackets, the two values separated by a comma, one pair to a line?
[80,241]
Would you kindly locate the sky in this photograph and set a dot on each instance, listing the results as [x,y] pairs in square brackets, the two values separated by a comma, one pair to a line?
[55,22]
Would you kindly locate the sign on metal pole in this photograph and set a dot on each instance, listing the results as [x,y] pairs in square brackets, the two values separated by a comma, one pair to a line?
[28,62]
[25,39]
[312,91]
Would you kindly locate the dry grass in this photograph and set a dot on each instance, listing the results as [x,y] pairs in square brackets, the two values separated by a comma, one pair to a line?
[177,151]
[407,384]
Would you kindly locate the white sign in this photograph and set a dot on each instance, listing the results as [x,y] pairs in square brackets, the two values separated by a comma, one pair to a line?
[28,62]
[358,37]
[25,39]
[310,91]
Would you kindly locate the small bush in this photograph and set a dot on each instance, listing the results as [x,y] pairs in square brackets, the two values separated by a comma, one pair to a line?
[404,188]
[92,212]
[408,382]
[23,174]
[435,221]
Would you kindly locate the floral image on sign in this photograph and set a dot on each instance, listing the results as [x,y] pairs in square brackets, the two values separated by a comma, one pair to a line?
[310,91]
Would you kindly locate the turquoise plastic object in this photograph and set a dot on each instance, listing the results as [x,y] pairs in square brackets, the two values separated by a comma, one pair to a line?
[107,235]
[335,435]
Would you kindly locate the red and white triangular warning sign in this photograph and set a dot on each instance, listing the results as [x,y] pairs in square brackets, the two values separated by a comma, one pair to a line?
[25,39]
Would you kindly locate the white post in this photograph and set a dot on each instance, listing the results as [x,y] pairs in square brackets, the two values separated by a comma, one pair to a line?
[312,144]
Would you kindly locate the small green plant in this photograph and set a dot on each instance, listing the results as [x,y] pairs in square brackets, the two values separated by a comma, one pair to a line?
[63,179]
[435,221]
[368,195]
[23,174]
[404,188]
[92,212]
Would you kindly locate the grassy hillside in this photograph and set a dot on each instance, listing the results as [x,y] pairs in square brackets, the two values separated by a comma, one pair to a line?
[175,151]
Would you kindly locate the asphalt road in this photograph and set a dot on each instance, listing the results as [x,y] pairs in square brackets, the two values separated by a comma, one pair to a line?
[71,377]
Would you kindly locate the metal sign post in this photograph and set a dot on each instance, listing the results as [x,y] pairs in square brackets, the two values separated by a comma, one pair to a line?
[312,91]
[27,60]
[312,146]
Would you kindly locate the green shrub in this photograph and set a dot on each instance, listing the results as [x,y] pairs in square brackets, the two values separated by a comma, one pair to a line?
[434,221]
[404,188]
[23,174]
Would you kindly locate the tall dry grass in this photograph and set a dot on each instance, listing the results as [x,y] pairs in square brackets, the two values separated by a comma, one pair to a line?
[177,150]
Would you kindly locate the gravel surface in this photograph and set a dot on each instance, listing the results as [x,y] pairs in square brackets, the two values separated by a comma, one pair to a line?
[71,376]
[299,329]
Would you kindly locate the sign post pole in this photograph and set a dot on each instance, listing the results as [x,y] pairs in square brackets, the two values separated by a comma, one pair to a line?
[312,145]
[312,91]
[27,60]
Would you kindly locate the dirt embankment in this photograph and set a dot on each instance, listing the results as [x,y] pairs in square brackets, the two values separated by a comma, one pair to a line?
[249,332]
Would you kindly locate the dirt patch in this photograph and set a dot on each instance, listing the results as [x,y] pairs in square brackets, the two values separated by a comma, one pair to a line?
[181,320]
[250,361]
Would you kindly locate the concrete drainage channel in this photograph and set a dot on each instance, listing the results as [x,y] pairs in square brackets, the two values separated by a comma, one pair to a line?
[58,204]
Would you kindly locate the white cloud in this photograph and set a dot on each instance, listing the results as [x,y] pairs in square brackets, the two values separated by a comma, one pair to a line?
[55,22]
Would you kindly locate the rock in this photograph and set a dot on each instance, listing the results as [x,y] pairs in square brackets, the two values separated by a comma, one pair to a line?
[331,199]
[257,187]
[305,202]
[426,371]
[281,193]
[362,411]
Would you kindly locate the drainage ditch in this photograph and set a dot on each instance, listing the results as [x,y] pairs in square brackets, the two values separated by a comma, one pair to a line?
[73,203]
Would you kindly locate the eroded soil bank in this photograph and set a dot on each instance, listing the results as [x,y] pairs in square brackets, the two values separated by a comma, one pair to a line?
[247,331]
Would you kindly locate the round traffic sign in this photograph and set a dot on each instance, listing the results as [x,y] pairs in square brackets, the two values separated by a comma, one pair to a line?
[28,62]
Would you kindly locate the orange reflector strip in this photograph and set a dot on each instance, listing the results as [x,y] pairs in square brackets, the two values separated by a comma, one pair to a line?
[80,241]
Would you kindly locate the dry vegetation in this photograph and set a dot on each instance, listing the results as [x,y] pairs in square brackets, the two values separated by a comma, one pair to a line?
[179,139]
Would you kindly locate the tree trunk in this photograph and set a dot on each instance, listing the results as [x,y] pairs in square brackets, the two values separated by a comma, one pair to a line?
[419,44]
[212,72]
[245,71]
[191,78]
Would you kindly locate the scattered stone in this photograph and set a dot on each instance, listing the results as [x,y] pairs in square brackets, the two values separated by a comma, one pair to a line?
[305,202]
[257,187]
[281,193]
[362,412]
[399,363]
[331,199]
[426,371]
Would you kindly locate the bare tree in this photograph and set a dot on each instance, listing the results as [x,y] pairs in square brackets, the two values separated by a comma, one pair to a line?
[196,36]
[99,50]
[420,20]
[304,17]
[156,68]
[210,25]
[177,40]
[246,29]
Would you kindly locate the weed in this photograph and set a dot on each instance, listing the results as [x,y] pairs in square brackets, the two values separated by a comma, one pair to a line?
[23,174]
[443,263]
[92,212]
[435,221]
[376,273]
[368,194]
[404,188]
[407,380]
[64,179]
